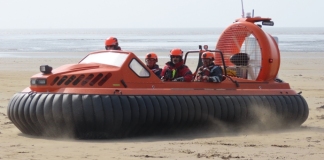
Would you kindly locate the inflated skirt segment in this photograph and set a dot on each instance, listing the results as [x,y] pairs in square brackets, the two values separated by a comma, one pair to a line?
[112,116]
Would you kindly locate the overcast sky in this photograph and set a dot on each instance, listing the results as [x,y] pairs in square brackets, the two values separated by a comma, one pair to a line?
[154,13]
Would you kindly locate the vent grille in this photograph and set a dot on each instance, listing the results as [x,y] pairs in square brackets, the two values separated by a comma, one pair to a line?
[55,80]
[96,79]
[103,80]
[61,80]
[70,80]
[86,80]
[82,79]
[78,79]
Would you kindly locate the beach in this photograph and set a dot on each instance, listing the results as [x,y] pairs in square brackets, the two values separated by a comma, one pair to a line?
[303,71]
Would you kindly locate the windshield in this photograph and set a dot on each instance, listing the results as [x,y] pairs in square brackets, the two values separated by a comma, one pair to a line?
[109,58]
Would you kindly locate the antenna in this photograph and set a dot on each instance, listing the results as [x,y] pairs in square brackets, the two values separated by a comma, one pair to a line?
[252,13]
[242,9]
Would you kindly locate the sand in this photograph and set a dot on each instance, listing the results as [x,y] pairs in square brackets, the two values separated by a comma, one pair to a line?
[304,72]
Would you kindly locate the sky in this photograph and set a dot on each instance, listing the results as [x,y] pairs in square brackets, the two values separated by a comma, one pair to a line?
[54,14]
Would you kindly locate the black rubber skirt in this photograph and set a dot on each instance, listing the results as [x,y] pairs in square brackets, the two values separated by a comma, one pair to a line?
[113,116]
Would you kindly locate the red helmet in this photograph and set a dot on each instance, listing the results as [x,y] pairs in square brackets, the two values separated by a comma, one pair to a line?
[111,41]
[151,55]
[176,52]
[209,55]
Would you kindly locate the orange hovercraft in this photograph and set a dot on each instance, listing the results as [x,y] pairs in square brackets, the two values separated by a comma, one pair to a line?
[113,94]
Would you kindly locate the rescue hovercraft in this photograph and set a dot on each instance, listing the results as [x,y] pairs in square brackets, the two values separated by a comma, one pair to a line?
[113,94]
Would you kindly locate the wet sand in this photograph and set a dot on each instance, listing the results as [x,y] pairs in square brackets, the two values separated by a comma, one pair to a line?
[304,72]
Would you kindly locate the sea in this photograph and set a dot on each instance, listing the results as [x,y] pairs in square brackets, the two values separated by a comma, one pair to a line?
[145,40]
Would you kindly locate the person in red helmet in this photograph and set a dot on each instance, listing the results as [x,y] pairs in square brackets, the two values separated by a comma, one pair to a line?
[111,43]
[175,70]
[209,72]
[150,60]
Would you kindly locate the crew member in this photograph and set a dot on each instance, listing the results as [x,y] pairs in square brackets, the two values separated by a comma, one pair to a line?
[150,60]
[111,43]
[209,72]
[175,70]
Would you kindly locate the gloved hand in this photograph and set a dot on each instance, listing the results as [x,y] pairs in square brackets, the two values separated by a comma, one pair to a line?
[179,79]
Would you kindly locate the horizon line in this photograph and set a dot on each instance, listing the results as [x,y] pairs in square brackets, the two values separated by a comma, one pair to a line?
[149,28]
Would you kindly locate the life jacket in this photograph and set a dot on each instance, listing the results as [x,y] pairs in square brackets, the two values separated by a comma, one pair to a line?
[172,72]
[156,70]
[178,72]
